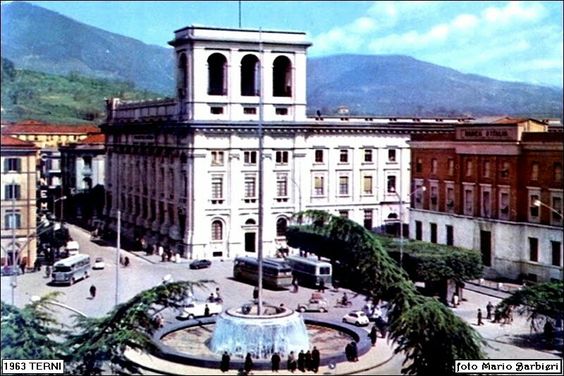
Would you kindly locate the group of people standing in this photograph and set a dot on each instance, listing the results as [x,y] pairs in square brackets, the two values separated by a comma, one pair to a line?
[305,361]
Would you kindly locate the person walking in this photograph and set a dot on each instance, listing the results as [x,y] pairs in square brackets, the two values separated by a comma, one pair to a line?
[248,363]
[455,300]
[480,322]
[301,361]
[489,309]
[225,359]
[255,293]
[315,359]
[275,362]
[373,335]
[126,261]
[321,288]
[92,292]
[354,352]
[348,352]
[207,311]
[291,363]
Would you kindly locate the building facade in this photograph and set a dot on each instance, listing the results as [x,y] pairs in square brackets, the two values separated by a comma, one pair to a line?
[18,218]
[184,171]
[495,187]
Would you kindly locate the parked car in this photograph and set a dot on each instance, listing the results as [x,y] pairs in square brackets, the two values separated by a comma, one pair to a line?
[357,318]
[315,304]
[198,309]
[99,263]
[200,264]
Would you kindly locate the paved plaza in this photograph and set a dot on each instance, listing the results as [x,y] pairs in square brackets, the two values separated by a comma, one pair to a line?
[148,271]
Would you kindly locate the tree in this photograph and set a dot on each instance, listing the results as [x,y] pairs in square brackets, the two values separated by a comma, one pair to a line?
[128,325]
[431,336]
[30,332]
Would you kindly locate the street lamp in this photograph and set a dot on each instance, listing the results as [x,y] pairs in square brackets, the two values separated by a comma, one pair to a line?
[422,188]
[539,203]
[62,198]
[35,299]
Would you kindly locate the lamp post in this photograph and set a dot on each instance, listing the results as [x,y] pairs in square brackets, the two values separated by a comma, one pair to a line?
[539,203]
[62,198]
[422,188]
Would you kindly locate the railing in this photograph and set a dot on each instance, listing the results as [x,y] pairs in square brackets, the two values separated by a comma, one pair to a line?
[158,109]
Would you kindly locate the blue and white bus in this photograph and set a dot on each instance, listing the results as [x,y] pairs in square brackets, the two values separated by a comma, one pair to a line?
[310,271]
[71,269]
[274,274]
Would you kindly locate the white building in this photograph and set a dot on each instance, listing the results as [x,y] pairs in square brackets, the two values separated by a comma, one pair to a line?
[184,171]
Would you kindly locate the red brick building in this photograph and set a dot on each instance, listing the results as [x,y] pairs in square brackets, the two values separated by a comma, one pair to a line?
[482,182]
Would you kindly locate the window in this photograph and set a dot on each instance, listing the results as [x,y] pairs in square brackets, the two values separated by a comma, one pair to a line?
[449,235]
[368,155]
[250,110]
[250,76]
[533,209]
[504,205]
[216,110]
[281,227]
[557,206]
[250,157]
[450,167]
[556,260]
[344,156]
[535,171]
[486,203]
[12,192]
[487,169]
[217,189]
[281,157]
[217,74]
[433,166]
[318,185]
[469,168]
[534,249]
[392,155]
[391,183]
[504,172]
[250,188]
[450,199]
[367,185]
[217,230]
[368,219]
[557,172]
[318,156]
[418,196]
[281,111]
[281,185]
[343,185]
[282,77]
[217,158]
[12,165]
[434,197]
[433,232]
[419,165]
[418,230]
[344,213]
[12,220]
[468,201]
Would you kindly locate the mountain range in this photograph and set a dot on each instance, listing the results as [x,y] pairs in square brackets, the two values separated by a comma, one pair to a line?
[380,85]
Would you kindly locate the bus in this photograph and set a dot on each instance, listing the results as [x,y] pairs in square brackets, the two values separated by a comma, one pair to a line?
[310,271]
[71,269]
[276,275]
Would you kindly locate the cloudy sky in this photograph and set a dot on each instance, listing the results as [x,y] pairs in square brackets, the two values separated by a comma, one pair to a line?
[514,41]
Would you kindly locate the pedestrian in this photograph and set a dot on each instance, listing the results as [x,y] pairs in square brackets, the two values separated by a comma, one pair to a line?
[255,293]
[321,286]
[315,359]
[207,311]
[92,292]
[489,309]
[162,253]
[548,331]
[480,322]
[354,351]
[373,335]
[497,315]
[348,352]
[455,300]
[301,361]
[225,359]
[275,362]
[48,271]
[126,261]
[22,267]
[248,363]
[307,361]
[211,298]
[217,296]
[291,363]
[37,265]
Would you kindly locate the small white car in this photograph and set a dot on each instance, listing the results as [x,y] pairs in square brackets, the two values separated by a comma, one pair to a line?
[198,309]
[357,318]
[99,263]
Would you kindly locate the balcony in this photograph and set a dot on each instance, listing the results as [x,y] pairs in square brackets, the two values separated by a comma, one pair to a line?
[142,111]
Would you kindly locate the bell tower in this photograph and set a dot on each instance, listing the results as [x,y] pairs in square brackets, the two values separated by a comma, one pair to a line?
[219,75]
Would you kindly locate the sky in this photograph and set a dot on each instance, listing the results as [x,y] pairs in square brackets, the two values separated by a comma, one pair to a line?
[511,41]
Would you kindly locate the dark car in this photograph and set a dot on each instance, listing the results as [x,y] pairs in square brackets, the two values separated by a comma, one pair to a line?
[200,264]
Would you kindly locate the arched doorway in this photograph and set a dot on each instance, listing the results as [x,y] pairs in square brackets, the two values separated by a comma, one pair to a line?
[250,236]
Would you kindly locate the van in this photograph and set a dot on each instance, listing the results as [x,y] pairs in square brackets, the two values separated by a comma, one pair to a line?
[72,248]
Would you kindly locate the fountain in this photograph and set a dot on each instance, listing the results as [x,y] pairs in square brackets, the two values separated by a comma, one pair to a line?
[278,329]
